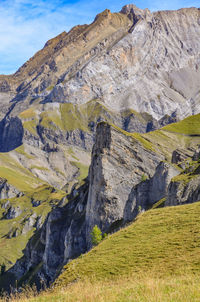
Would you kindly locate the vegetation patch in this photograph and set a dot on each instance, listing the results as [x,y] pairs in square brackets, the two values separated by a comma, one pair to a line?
[21,151]
[140,288]
[162,242]
[27,114]
[83,170]
[188,126]
[17,179]
[31,126]
[50,88]
[39,168]
[11,247]
[145,142]
[156,258]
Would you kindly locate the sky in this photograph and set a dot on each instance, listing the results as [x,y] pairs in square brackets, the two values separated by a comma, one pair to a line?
[26,25]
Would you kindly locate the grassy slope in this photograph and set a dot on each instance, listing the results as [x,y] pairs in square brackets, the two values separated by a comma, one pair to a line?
[15,173]
[69,117]
[182,134]
[156,258]
[173,136]
[162,241]
[11,249]
[169,238]
[188,126]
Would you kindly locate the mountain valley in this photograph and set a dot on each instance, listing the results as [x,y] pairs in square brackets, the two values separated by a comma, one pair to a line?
[101,127]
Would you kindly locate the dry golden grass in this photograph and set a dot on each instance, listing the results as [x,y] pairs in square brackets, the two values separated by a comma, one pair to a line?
[145,288]
[155,259]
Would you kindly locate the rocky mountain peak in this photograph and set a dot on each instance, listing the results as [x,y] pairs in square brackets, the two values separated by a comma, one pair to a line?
[133,9]
[104,14]
[134,13]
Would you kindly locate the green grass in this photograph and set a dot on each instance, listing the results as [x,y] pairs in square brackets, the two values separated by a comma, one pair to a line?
[188,126]
[50,88]
[183,177]
[46,193]
[15,173]
[31,126]
[39,168]
[29,113]
[133,289]
[70,117]
[83,170]
[161,242]
[165,142]
[23,182]
[21,151]
[144,141]
[11,249]
[51,120]
[192,170]
[159,204]
[155,259]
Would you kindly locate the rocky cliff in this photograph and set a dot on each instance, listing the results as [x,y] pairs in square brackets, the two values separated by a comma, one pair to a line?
[126,177]
[132,59]
[110,84]
[135,69]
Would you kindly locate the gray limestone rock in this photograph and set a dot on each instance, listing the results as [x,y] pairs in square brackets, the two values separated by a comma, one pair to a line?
[118,164]
[11,134]
[12,212]
[160,181]
[7,190]
[112,196]
[181,193]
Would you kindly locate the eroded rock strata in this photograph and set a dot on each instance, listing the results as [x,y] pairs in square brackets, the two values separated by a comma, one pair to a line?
[132,71]
[114,193]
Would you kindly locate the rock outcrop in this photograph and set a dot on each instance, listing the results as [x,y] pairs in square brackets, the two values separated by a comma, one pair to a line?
[118,164]
[11,134]
[7,190]
[180,192]
[132,59]
[133,71]
[121,184]
[150,69]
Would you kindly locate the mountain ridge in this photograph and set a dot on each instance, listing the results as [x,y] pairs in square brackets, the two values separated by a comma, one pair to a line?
[55,81]
[81,135]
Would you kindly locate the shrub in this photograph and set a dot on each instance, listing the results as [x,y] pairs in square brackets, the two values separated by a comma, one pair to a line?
[96,235]
[143,177]
[104,236]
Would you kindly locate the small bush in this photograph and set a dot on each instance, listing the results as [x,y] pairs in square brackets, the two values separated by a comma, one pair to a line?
[143,177]
[104,236]
[96,235]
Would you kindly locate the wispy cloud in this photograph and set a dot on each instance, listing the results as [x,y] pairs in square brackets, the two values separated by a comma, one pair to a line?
[25,25]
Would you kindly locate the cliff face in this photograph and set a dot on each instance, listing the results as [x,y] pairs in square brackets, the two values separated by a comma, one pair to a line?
[150,69]
[118,165]
[132,59]
[133,71]
[125,177]
[140,67]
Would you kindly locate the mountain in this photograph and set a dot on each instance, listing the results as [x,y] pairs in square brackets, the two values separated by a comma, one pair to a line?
[155,257]
[132,59]
[99,126]
[129,173]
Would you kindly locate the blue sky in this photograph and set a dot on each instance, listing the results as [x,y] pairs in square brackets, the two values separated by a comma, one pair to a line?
[25,25]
